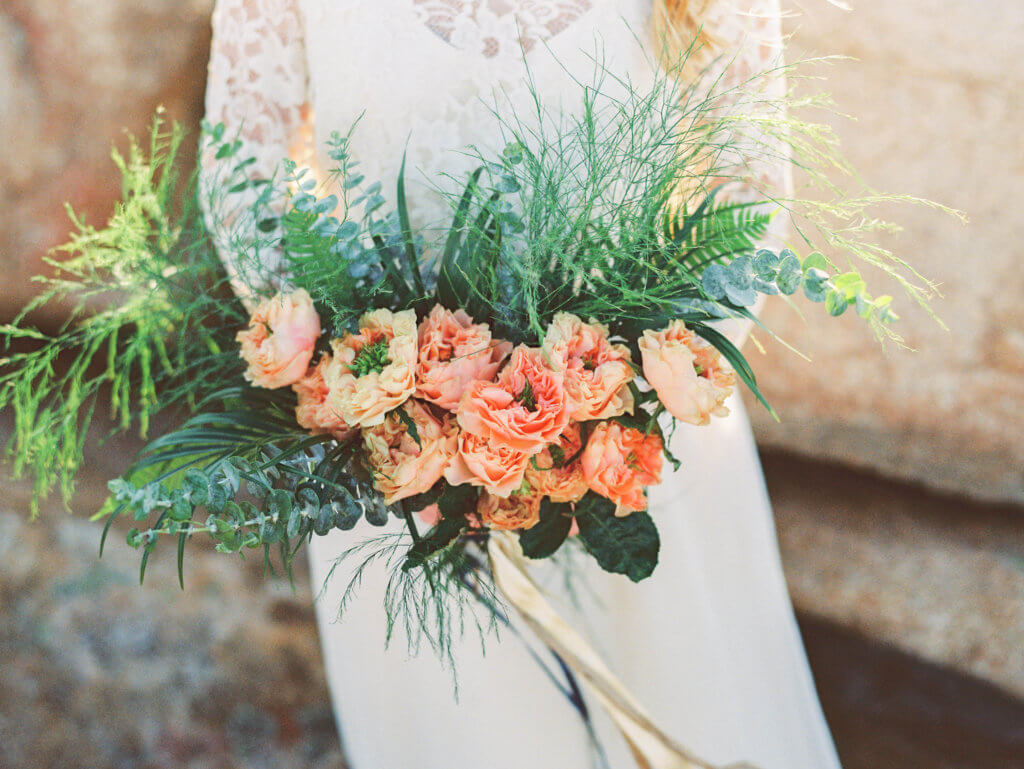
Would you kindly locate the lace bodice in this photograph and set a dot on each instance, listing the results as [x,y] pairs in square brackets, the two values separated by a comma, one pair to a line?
[422,76]
[488,26]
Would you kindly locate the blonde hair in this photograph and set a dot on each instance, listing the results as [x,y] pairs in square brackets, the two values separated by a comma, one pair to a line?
[679,27]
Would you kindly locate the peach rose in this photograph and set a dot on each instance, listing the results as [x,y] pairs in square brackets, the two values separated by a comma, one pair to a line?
[597,372]
[278,344]
[401,466]
[454,352]
[516,512]
[566,482]
[687,373]
[619,463]
[312,412]
[526,409]
[481,462]
[373,372]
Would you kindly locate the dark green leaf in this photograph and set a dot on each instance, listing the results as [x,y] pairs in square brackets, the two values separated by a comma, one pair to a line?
[422,501]
[453,287]
[627,545]
[182,539]
[457,501]
[815,285]
[412,262]
[410,424]
[549,533]
[441,536]
[739,363]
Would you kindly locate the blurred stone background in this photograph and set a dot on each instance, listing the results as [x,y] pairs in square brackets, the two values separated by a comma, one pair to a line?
[898,477]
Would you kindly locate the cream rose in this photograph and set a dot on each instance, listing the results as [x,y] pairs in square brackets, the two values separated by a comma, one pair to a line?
[687,373]
[279,342]
[312,411]
[373,372]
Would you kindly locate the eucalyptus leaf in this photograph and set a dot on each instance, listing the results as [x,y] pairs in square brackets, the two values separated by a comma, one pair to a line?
[835,303]
[766,265]
[815,261]
[714,281]
[790,275]
[816,285]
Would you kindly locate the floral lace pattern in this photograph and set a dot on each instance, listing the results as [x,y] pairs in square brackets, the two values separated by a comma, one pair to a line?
[258,88]
[487,26]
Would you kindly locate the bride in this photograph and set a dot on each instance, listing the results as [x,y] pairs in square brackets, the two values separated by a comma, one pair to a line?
[709,644]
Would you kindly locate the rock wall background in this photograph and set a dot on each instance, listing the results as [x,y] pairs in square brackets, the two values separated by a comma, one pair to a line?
[937,91]
[74,76]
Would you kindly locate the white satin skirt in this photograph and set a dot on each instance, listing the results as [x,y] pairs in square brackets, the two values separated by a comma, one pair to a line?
[708,645]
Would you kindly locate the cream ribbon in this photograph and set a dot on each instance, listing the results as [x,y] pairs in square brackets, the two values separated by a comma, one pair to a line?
[652,748]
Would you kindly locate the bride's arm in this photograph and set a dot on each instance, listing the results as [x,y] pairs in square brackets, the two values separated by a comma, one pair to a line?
[745,39]
[258,87]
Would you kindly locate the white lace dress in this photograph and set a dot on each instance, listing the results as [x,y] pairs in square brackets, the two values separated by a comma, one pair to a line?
[708,644]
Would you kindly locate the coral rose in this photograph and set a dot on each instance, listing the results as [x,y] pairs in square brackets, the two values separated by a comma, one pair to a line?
[526,409]
[402,467]
[619,462]
[373,372]
[312,412]
[687,373]
[597,372]
[564,482]
[516,512]
[278,344]
[452,353]
[481,462]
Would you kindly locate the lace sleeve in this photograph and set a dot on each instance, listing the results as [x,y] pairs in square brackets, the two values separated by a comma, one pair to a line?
[258,88]
[745,39]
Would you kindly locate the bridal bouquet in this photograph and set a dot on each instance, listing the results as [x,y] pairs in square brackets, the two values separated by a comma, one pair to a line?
[512,376]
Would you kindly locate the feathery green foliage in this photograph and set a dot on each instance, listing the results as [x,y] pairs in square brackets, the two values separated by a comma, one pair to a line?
[151,324]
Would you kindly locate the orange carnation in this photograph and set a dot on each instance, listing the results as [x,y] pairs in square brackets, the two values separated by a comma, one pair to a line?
[566,482]
[452,353]
[312,412]
[526,409]
[278,344]
[516,512]
[481,462]
[401,466]
[373,372]
[687,373]
[597,372]
[620,462]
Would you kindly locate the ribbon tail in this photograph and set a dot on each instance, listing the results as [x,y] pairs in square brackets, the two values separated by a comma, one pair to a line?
[652,748]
